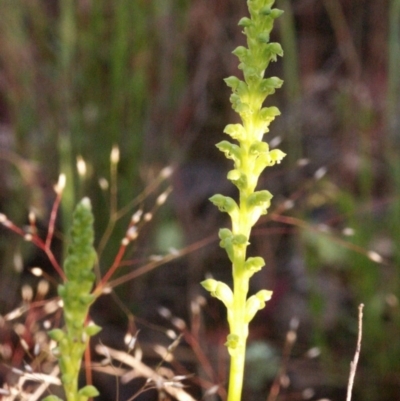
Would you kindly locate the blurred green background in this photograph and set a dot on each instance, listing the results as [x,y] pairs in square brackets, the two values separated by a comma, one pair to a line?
[80,76]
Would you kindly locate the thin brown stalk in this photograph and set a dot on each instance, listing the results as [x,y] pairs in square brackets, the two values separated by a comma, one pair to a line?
[354,362]
[291,337]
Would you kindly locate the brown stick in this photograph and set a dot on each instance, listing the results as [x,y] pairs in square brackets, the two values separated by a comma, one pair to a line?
[353,364]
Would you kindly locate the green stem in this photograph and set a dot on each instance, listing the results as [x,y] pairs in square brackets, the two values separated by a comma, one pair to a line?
[239,327]
[236,377]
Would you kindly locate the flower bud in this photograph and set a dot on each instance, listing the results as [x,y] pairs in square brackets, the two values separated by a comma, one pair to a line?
[239,179]
[253,305]
[275,13]
[210,284]
[263,37]
[219,290]
[265,11]
[224,294]
[239,239]
[245,22]
[232,343]
[256,302]
[88,392]
[56,334]
[226,242]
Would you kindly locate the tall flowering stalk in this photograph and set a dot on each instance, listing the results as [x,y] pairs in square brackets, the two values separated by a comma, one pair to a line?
[76,293]
[250,157]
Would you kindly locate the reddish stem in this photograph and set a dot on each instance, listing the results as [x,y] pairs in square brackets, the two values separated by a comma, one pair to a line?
[52,222]
[41,245]
[112,269]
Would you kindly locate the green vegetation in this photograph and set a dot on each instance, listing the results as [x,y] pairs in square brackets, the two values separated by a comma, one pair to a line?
[76,294]
[250,158]
[78,79]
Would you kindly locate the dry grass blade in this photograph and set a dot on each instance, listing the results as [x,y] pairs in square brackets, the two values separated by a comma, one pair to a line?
[145,371]
[17,392]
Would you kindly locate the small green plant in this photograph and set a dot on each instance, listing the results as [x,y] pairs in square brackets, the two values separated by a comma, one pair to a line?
[251,156]
[78,290]
[77,296]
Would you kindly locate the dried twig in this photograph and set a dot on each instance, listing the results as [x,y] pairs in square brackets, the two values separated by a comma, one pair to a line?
[17,392]
[47,380]
[353,364]
[145,371]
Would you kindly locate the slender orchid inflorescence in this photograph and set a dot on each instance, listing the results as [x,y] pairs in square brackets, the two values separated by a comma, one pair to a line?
[77,296]
[250,156]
